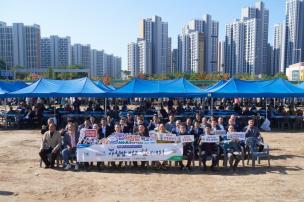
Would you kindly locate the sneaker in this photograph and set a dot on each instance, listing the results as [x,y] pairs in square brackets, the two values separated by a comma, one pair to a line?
[68,167]
[76,167]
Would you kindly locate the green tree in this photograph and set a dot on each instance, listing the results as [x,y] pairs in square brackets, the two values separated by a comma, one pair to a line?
[280,75]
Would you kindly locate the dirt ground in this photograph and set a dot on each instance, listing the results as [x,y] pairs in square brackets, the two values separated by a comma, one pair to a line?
[21,178]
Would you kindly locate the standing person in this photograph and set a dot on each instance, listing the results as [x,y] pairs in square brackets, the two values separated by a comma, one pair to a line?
[50,145]
[70,140]
[187,149]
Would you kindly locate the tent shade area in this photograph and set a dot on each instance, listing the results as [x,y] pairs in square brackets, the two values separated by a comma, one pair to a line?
[158,88]
[82,87]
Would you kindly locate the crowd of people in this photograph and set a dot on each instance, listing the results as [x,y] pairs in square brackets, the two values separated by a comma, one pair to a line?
[63,141]
[34,112]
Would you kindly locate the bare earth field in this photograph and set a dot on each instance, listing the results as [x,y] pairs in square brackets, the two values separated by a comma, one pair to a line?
[21,178]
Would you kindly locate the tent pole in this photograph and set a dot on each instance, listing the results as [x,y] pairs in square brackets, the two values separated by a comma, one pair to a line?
[105,107]
[211,106]
[5,105]
[266,109]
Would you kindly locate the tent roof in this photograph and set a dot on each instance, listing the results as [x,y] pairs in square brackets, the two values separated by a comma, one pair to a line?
[219,83]
[281,88]
[101,85]
[9,86]
[82,87]
[158,88]
[249,89]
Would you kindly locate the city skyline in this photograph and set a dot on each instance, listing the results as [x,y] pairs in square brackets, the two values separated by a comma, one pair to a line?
[92,23]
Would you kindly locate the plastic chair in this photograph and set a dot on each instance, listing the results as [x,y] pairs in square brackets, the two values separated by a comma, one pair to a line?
[254,154]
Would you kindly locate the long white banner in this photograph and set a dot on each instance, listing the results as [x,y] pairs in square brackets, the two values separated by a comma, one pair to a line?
[129,152]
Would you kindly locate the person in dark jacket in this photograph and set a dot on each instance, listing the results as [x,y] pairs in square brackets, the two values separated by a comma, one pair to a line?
[70,140]
[209,149]
[187,149]
[105,130]
[197,131]
[253,132]
[234,150]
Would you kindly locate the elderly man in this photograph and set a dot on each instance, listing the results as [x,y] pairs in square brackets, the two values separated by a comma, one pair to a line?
[253,132]
[50,146]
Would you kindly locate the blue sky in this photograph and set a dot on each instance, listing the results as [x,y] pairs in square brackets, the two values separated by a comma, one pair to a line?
[112,24]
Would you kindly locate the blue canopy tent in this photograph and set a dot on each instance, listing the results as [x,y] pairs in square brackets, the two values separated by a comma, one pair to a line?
[82,87]
[216,85]
[276,88]
[301,85]
[111,87]
[158,88]
[9,86]
[280,88]
[236,88]
[101,85]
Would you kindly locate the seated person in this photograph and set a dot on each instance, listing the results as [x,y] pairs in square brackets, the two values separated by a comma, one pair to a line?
[124,126]
[253,132]
[197,131]
[175,130]
[187,149]
[141,132]
[70,140]
[234,151]
[221,123]
[189,125]
[214,126]
[209,149]
[28,117]
[117,130]
[97,108]
[154,123]
[86,125]
[171,124]
[163,112]
[89,108]
[45,128]
[50,145]
[105,130]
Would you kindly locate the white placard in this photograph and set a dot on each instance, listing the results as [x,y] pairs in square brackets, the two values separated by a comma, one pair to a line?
[236,136]
[210,138]
[186,138]
[220,132]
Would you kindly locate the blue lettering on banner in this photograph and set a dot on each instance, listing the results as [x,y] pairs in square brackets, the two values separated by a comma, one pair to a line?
[129,146]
